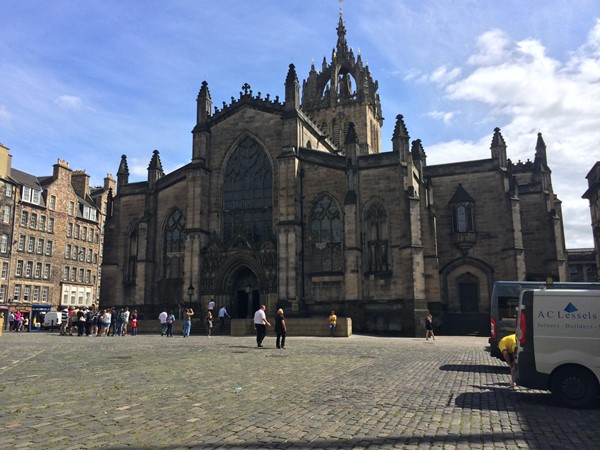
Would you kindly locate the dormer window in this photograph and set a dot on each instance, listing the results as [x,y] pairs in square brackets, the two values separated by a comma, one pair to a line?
[31,195]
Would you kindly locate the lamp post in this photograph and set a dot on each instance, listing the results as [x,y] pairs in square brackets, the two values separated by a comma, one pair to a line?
[190,292]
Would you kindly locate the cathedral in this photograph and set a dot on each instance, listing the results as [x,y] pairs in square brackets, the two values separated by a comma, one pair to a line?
[292,203]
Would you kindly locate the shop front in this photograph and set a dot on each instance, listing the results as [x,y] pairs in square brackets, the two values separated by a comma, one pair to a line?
[37,316]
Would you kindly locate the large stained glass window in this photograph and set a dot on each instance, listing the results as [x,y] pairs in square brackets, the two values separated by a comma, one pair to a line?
[325,236]
[248,193]
[174,245]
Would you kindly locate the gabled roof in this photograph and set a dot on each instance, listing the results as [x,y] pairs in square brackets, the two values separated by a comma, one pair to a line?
[461,196]
[25,179]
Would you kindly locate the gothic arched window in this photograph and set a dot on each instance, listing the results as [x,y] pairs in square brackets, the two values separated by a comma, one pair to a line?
[173,245]
[463,206]
[326,236]
[132,256]
[377,242]
[248,193]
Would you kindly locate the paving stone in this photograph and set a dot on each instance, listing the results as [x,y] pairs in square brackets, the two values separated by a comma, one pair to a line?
[148,392]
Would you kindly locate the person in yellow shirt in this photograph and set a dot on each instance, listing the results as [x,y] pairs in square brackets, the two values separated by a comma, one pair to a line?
[332,323]
[507,346]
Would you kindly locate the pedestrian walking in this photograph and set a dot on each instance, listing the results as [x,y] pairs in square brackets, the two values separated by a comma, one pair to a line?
[429,327]
[280,329]
[187,321]
[332,323]
[260,325]
[222,314]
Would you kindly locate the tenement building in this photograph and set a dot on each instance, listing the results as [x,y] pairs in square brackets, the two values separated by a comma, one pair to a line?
[51,242]
[292,203]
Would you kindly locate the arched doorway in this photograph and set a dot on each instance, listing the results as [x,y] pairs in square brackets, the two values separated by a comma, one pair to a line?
[245,292]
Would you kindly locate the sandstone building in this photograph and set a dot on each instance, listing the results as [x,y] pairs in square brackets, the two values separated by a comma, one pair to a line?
[52,231]
[593,196]
[293,203]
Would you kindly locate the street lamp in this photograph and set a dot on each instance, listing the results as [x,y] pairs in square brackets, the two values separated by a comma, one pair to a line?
[191,293]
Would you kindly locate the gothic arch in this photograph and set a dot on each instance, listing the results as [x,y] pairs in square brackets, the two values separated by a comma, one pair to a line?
[325,234]
[232,265]
[173,244]
[247,199]
[375,220]
[462,271]
[234,145]
[132,248]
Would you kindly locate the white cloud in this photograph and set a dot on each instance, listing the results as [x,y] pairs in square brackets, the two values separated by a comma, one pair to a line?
[69,102]
[5,116]
[444,76]
[444,116]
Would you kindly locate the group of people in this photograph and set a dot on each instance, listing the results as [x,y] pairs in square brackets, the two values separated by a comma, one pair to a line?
[98,322]
[167,320]
[17,321]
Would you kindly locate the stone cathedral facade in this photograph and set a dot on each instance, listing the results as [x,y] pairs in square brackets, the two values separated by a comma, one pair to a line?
[293,203]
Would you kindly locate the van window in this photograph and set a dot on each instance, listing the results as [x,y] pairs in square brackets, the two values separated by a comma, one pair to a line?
[507,307]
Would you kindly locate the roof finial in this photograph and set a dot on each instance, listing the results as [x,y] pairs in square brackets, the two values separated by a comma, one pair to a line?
[341,1]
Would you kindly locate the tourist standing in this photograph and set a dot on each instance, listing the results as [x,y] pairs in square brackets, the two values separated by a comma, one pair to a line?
[169,323]
[125,320]
[211,306]
[332,323]
[11,321]
[209,323]
[187,321]
[134,324]
[260,324]
[105,321]
[280,329]
[162,317]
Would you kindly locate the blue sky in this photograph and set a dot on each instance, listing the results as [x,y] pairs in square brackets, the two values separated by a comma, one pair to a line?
[87,81]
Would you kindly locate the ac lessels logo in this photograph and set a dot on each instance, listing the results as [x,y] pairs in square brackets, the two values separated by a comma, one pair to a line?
[570,312]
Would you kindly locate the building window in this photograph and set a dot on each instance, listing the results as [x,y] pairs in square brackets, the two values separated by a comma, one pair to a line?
[43,223]
[3,290]
[31,195]
[80,278]
[71,208]
[76,234]
[68,251]
[9,190]
[84,234]
[21,246]
[29,269]
[24,218]
[172,246]
[89,255]
[36,294]
[73,273]
[45,294]
[4,244]
[248,194]
[52,204]
[38,270]
[377,243]
[91,235]
[6,213]
[17,293]
[325,236]
[40,246]
[33,221]
[88,276]
[4,270]
[66,273]
[82,254]
[49,248]
[19,269]
[31,244]
[51,225]
[47,272]
[75,252]
[27,293]
[69,230]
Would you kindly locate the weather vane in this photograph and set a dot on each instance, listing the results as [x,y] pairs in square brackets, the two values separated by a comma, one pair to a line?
[341,1]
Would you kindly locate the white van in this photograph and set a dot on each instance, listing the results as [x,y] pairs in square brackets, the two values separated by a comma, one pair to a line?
[52,319]
[559,344]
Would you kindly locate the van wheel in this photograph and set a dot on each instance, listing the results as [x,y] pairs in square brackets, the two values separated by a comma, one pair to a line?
[574,387]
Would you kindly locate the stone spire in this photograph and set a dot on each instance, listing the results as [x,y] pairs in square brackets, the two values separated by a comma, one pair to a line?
[123,172]
[540,149]
[155,170]
[400,138]
[292,89]
[204,103]
[498,148]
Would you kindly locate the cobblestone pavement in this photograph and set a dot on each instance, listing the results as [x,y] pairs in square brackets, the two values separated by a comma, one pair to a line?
[152,392]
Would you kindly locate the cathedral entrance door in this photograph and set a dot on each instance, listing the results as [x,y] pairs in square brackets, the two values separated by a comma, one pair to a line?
[246,296]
